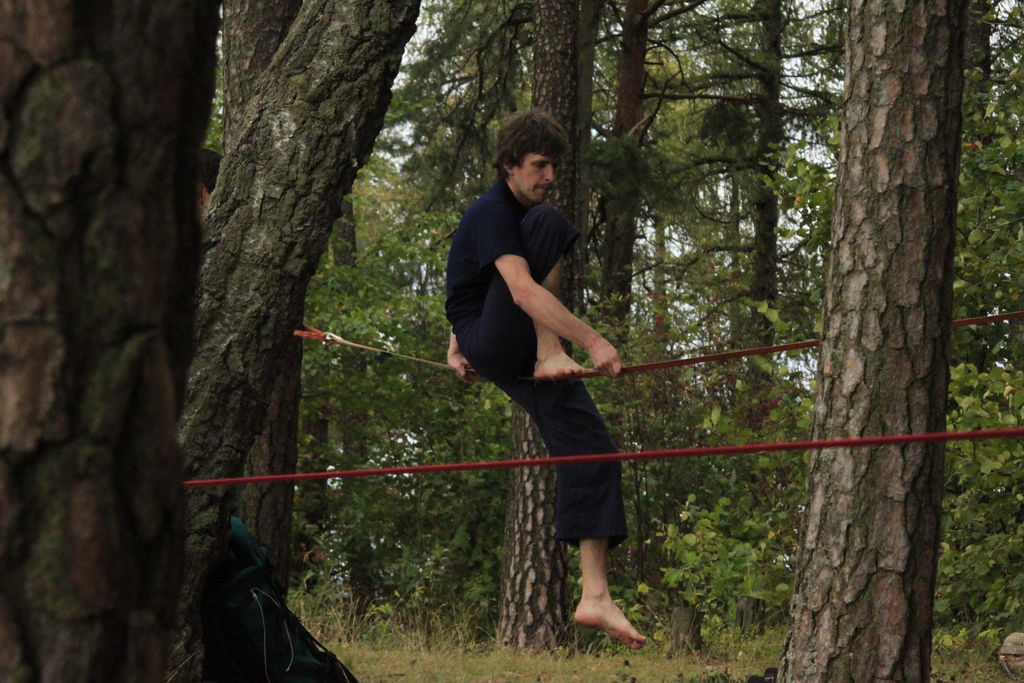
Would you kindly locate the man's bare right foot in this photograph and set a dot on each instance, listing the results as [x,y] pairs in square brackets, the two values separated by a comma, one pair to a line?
[556,366]
[604,614]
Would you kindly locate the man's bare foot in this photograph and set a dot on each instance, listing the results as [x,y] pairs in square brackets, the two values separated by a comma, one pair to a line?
[604,614]
[556,366]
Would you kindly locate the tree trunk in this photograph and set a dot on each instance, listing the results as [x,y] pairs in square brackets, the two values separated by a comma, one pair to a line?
[533,609]
[770,139]
[866,575]
[267,508]
[556,81]
[684,629]
[101,121]
[311,126]
[315,503]
[578,210]
[978,39]
[362,579]
[750,614]
[533,606]
[756,328]
[622,202]
[252,33]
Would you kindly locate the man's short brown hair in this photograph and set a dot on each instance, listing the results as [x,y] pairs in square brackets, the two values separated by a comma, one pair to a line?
[529,132]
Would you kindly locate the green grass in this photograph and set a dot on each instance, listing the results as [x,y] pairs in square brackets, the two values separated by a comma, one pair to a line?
[495,665]
[386,644]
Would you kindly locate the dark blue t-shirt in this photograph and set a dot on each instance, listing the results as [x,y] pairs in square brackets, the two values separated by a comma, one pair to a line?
[488,229]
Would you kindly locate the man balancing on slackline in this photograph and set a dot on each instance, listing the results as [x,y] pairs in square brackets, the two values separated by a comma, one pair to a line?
[504,272]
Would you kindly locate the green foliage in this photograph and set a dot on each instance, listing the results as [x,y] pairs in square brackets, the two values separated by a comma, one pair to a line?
[806,182]
[396,536]
[720,553]
[981,570]
[990,222]
[735,532]
[980,575]
[465,70]
[215,127]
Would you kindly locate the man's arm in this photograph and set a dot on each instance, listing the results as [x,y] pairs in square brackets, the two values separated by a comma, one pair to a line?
[459,363]
[547,311]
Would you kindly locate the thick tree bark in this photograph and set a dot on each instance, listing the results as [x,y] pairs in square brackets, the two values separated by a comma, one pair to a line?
[99,128]
[311,126]
[866,575]
[252,33]
[267,508]
[555,86]
[533,608]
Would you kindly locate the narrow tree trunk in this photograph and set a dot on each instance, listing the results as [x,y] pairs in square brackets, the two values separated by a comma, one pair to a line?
[750,614]
[579,211]
[866,575]
[684,629]
[555,83]
[362,580]
[978,40]
[315,502]
[764,204]
[622,202]
[313,122]
[100,124]
[770,139]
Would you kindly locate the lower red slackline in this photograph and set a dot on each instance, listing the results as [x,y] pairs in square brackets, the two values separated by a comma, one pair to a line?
[857,442]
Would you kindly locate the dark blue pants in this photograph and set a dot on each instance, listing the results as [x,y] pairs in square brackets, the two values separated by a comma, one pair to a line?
[502,346]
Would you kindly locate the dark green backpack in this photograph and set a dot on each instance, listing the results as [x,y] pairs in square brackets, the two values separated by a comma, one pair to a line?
[249,633]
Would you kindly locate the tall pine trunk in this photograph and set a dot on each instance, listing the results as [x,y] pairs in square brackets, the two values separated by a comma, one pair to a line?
[101,120]
[533,606]
[866,574]
[311,125]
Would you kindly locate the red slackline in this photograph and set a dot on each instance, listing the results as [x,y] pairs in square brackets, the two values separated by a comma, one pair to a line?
[966,322]
[767,350]
[329,338]
[855,442]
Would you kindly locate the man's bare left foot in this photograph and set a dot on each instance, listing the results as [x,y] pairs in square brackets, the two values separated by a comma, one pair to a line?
[556,366]
[603,614]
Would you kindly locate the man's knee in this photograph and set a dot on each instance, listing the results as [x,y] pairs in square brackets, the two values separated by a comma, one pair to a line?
[547,235]
[547,216]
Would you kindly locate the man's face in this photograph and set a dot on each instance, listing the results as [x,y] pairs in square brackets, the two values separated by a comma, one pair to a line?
[532,179]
